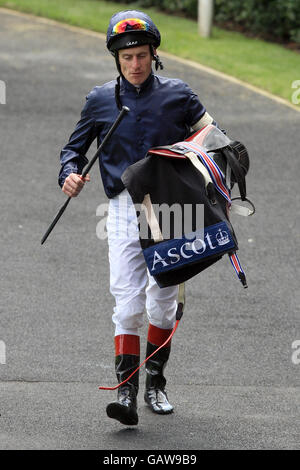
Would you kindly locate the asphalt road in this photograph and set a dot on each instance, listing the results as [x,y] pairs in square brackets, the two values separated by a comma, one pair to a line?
[231,377]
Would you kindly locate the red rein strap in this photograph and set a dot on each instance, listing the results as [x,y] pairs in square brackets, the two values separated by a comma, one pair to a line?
[178,317]
[154,352]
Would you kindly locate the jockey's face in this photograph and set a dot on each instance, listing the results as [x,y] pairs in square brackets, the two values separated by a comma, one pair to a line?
[136,63]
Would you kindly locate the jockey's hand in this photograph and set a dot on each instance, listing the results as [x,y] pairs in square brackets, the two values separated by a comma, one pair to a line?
[74,183]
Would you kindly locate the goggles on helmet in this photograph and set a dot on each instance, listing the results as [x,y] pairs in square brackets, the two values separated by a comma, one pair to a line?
[130,24]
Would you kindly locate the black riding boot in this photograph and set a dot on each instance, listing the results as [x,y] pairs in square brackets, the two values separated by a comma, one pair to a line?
[125,408]
[155,394]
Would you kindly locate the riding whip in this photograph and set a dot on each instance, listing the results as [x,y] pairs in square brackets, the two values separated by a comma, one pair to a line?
[122,113]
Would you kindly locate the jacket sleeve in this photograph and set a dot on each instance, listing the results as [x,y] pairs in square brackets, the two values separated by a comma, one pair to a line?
[194,108]
[197,116]
[72,156]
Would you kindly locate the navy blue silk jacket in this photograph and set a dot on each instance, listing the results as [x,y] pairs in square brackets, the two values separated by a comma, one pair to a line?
[161,113]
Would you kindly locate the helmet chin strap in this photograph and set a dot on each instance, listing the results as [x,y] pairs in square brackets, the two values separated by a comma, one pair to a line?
[116,55]
[117,93]
[117,87]
[158,62]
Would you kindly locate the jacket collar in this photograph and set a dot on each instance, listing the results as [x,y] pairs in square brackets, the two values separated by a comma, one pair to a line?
[147,83]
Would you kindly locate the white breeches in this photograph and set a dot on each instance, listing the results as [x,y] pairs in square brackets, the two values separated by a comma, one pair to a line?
[130,282]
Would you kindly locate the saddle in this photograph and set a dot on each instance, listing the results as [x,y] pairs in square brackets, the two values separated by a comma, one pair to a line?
[182,196]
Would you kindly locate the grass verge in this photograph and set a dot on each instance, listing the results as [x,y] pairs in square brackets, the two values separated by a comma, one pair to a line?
[268,66]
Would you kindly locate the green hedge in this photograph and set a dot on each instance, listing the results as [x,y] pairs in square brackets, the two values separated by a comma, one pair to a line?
[279,19]
[274,19]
